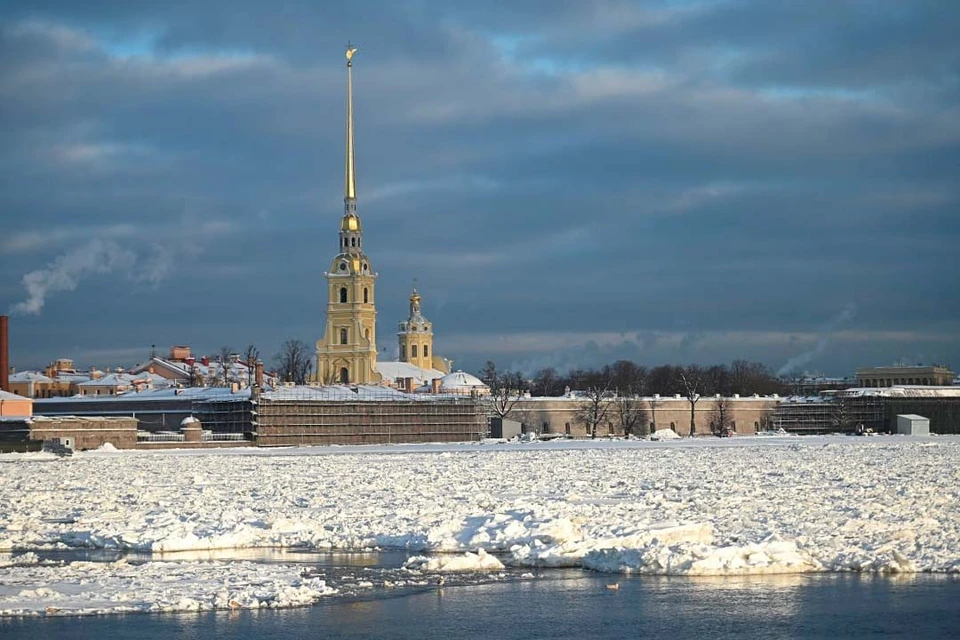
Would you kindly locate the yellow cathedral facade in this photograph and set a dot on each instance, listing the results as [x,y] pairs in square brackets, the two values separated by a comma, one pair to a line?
[347,353]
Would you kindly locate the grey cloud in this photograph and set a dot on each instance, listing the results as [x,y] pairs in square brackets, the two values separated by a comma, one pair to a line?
[577,166]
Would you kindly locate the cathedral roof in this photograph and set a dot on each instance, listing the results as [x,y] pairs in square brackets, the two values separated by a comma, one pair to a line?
[395,370]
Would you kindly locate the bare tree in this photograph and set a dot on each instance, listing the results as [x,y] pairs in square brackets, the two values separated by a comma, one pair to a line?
[691,378]
[547,383]
[630,413]
[294,361]
[505,388]
[250,356]
[220,377]
[840,416]
[721,420]
[594,409]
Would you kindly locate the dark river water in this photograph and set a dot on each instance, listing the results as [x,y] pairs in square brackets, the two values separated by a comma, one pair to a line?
[572,604]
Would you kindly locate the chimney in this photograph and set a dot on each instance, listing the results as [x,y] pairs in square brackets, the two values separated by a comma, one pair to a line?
[258,376]
[4,354]
[435,385]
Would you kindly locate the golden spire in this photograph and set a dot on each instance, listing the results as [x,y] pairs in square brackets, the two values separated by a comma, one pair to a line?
[350,188]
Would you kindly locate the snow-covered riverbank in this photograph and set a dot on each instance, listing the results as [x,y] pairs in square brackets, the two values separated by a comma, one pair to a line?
[707,507]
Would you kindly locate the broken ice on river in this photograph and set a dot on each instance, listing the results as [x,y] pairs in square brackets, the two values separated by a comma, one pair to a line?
[702,507]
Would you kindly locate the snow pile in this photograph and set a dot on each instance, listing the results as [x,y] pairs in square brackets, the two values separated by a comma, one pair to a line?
[480,561]
[90,588]
[664,434]
[106,446]
[572,553]
[711,506]
[769,556]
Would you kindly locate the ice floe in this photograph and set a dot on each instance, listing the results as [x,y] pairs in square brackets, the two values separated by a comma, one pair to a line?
[479,561]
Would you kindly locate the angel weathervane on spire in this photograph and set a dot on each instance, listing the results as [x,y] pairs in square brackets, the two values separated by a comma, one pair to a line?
[350,51]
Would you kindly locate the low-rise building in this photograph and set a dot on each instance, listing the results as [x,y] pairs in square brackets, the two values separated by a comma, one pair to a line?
[929,376]
[15,406]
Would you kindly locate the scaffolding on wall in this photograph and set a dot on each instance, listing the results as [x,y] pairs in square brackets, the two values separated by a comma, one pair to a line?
[365,415]
[227,415]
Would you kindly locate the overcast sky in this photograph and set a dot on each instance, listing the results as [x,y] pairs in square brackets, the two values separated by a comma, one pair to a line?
[570,182]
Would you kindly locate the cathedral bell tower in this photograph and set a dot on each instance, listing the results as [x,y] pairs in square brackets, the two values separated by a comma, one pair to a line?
[415,336]
[347,353]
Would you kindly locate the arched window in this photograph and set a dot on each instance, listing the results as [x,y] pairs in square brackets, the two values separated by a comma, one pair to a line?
[426,351]
[353,242]
[345,242]
[403,352]
[343,294]
[366,296]
[343,336]
[344,375]
[413,351]
[366,333]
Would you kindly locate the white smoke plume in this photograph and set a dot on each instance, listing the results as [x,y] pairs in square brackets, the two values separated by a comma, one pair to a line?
[826,332]
[98,256]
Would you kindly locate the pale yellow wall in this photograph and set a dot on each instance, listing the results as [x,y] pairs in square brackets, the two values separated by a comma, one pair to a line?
[747,413]
[359,318]
[55,389]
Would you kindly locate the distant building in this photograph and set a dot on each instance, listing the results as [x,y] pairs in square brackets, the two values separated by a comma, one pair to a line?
[59,379]
[184,370]
[813,384]
[931,376]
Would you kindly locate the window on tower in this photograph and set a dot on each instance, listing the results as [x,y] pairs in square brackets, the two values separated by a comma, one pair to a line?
[403,353]
[343,294]
[353,242]
[413,351]
[426,351]
[343,336]
[344,375]
[366,296]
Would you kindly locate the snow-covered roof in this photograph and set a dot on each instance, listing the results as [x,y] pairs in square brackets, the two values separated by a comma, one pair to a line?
[29,376]
[199,394]
[6,395]
[364,393]
[178,368]
[393,370]
[109,380]
[460,380]
[905,391]
[72,377]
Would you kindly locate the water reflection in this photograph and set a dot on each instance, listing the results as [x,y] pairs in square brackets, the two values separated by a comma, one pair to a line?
[575,604]
[257,554]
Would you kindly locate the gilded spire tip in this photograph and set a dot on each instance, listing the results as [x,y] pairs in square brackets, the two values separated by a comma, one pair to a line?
[350,190]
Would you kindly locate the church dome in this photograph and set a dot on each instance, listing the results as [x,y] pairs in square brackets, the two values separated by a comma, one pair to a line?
[462,383]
